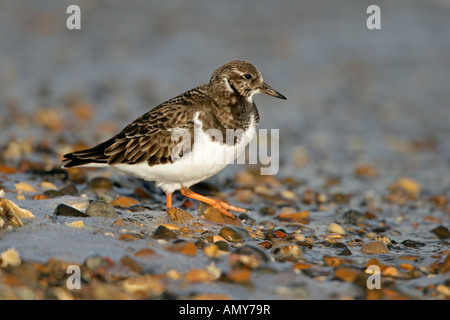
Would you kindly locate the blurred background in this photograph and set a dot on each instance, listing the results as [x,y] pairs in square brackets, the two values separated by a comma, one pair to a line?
[354,95]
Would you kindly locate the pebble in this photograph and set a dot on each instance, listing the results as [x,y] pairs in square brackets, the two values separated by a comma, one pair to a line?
[94,262]
[335,228]
[412,243]
[11,214]
[124,202]
[179,216]
[234,234]
[222,245]
[409,185]
[69,189]
[75,224]
[214,215]
[211,251]
[146,252]
[291,215]
[185,247]
[10,257]
[53,193]
[445,267]
[131,264]
[162,232]
[252,250]
[146,284]
[354,217]
[68,211]
[347,274]
[24,187]
[442,232]
[100,183]
[288,252]
[238,275]
[333,261]
[100,208]
[374,247]
[267,211]
[198,276]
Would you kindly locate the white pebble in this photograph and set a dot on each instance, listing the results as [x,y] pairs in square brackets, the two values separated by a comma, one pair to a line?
[335,228]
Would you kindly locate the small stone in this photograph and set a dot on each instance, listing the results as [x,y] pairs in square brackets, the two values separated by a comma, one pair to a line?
[443,289]
[354,217]
[409,185]
[222,245]
[24,187]
[234,234]
[178,215]
[131,264]
[94,262]
[239,275]
[280,233]
[335,228]
[41,197]
[406,266]
[365,171]
[162,232]
[412,243]
[53,193]
[69,189]
[390,271]
[267,211]
[76,224]
[124,202]
[249,255]
[245,196]
[291,252]
[146,252]
[10,257]
[333,261]
[214,215]
[171,226]
[147,284]
[375,247]
[299,237]
[68,211]
[46,185]
[442,232]
[100,183]
[198,275]
[383,239]
[184,247]
[100,208]
[445,267]
[347,274]
[11,214]
[211,251]
[128,237]
[291,215]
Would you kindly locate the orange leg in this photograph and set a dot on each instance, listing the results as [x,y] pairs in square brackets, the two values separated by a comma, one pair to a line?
[222,206]
[168,200]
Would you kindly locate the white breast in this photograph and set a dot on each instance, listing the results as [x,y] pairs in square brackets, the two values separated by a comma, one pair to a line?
[206,159]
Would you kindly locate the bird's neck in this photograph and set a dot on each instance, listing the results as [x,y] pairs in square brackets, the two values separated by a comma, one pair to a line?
[233,110]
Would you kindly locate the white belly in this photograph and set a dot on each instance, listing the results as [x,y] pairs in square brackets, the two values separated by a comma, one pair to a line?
[206,159]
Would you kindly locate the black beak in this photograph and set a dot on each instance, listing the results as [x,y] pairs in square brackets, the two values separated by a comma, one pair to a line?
[265,88]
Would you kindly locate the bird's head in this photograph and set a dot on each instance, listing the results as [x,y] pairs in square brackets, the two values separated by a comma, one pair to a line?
[242,78]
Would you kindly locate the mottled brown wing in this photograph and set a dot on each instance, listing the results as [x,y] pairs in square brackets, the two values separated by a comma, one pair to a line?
[149,138]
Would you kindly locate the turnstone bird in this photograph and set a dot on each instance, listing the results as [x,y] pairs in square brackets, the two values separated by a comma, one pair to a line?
[182,141]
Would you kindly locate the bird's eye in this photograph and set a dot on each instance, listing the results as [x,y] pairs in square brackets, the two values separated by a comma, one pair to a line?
[248,76]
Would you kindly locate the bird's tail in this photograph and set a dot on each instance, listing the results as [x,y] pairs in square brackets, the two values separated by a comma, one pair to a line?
[89,157]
